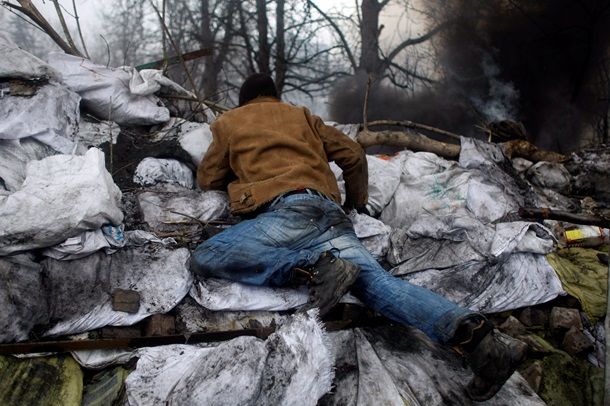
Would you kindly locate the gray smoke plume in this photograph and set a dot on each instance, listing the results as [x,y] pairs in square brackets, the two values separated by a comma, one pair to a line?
[545,63]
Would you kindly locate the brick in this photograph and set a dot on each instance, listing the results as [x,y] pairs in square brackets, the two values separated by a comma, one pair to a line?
[160,325]
[126,301]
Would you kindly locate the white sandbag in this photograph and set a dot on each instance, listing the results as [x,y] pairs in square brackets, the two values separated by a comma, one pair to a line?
[445,242]
[108,238]
[439,192]
[19,64]
[151,171]
[222,294]
[522,236]
[51,116]
[193,318]
[384,177]
[99,359]
[95,134]
[14,157]
[549,175]
[81,291]
[61,197]
[400,365]
[493,172]
[521,164]
[169,203]
[292,367]
[351,130]
[409,255]
[374,234]
[105,92]
[488,200]
[196,142]
[150,81]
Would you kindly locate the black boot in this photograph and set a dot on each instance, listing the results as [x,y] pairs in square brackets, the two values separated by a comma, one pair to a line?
[328,280]
[493,356]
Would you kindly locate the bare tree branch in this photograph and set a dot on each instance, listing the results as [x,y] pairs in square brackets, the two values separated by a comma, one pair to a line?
[342,39]
[28,9]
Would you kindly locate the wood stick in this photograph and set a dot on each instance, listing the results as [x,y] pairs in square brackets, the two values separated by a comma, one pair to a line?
[560,215]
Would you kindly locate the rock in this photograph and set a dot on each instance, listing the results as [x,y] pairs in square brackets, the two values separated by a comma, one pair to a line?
[562,318]
[576,342]
[533,375]
[532,317]
[513,327]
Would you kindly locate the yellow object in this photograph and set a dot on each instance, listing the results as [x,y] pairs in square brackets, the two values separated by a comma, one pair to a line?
[583,276]
[41,381]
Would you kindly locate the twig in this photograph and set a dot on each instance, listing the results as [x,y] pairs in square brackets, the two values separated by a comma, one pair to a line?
[107,50]
[202,223]
[366,103]
[63,24]
[410,124]
[111,140]
[212,105]
[80,32]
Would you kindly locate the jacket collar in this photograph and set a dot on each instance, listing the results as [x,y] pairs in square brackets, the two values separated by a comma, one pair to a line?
[262,99]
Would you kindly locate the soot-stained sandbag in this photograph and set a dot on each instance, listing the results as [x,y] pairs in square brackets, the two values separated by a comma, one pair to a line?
[81,291]
[23,298]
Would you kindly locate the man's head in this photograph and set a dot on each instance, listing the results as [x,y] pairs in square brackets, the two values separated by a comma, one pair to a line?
[258,84]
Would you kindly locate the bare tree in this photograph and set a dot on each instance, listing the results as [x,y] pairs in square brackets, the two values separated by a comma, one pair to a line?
[133,35]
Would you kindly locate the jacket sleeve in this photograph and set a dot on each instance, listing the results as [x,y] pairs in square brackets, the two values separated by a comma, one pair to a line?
[351,158]
[214,171]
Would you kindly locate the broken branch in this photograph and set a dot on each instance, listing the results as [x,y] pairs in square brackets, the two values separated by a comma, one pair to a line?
[412,141]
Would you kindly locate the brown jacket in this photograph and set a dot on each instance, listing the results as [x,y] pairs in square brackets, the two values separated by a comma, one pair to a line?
[267,147]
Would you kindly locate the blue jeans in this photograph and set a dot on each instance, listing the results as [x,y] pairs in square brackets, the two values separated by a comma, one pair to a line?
[293,232]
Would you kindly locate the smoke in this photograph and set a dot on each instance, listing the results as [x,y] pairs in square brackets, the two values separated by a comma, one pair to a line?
[538,62]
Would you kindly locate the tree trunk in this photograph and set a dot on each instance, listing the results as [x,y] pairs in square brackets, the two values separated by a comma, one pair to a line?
[264,49]
[281,67]
[370,61]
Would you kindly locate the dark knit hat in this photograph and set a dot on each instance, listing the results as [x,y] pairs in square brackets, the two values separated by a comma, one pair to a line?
[258,84]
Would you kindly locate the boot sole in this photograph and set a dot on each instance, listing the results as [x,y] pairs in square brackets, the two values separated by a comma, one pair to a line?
[349,273]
